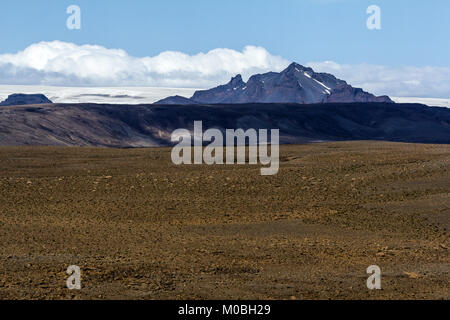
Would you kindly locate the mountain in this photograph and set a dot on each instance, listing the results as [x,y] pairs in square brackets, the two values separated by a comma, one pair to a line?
[295,84]
[152,125]
[18,99]
[178,100]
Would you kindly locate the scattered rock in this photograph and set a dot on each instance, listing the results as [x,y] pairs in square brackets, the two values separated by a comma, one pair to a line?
[411,275]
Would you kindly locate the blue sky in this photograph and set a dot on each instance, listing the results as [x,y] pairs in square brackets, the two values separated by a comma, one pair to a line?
[414,34]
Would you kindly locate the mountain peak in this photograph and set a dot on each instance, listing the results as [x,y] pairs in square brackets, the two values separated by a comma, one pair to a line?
[296,67]
[237,81]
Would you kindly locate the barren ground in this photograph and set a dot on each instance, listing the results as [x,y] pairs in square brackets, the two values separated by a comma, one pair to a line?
[142,228]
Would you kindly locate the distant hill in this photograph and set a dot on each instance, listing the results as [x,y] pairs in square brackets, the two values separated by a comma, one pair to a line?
[19,99]
[295,84]
[150,125]
[179,100]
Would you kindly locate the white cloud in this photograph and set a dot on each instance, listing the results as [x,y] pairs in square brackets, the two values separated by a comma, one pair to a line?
[393,81]
[61,63]
[67,64]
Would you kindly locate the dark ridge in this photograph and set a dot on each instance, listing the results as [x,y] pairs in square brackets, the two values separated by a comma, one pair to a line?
[127,126]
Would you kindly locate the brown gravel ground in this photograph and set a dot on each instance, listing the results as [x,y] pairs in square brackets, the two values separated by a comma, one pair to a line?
[142,228]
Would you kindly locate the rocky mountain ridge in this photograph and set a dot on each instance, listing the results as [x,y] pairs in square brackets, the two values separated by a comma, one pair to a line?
[295,84]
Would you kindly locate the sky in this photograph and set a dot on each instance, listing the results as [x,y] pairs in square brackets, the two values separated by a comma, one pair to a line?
[200,43]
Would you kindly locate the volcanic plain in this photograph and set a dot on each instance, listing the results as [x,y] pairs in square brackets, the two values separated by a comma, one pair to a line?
[140,227]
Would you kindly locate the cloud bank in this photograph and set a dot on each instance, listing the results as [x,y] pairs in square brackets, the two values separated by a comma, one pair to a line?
[400,81]
[62,63]
[67,64]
